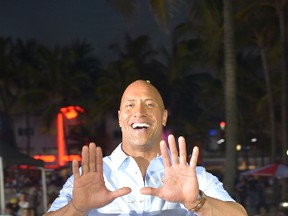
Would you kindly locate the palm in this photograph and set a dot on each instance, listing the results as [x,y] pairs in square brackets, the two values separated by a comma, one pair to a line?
[89,187]
[180,181]
[177,184]
[90,191]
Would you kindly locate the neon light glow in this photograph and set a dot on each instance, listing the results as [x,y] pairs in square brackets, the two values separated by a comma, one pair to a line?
[61,140]
[71,112]
[72,157]
[52,158]
[45,158]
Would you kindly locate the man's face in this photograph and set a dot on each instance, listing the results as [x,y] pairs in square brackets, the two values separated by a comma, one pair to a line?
[141,115]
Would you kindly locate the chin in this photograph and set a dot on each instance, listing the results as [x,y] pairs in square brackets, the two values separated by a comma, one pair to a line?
[140,141]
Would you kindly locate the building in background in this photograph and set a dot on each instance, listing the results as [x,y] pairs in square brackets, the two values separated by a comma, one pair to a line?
[62,143]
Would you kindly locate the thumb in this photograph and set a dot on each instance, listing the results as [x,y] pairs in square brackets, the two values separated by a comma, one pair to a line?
[120,192]
[149,191]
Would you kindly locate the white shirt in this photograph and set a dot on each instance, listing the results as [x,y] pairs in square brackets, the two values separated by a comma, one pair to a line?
[121,170]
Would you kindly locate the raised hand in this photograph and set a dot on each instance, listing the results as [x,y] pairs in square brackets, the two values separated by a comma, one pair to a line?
[180,182]
[89,187]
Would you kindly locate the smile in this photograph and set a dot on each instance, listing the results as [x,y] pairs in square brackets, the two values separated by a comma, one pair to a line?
[140,125]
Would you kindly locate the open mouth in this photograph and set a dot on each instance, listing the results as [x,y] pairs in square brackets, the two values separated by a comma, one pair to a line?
[140,126]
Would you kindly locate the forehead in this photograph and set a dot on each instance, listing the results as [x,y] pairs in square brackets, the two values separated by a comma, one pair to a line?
[141,90]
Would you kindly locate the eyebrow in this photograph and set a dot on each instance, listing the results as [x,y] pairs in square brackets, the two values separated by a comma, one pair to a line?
[132,99]
[145,100]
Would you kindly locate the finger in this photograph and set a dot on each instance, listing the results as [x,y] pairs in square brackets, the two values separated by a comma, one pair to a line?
[92,157]
[164,153]
[173,149]
[194,157]
[99,160]
[85,160]
[182,150]
[75,169]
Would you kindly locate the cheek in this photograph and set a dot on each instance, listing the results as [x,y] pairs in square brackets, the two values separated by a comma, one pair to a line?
[157,117]
[122,117]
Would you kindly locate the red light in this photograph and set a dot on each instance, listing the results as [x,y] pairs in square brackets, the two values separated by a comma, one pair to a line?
[222,125]
[71,112]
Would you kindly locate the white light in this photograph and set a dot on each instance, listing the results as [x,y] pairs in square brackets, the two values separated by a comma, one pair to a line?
[238,147]
[220,141]
[284,204]
[287,152]
[254,140]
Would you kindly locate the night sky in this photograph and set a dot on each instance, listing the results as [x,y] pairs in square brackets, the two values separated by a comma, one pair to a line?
[52,22]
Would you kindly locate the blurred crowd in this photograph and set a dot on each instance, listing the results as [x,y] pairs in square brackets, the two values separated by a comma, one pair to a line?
[259,195]
[24,193]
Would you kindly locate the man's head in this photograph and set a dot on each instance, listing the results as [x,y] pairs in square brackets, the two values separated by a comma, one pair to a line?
[142,115]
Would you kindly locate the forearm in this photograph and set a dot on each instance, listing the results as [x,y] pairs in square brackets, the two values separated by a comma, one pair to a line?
[68,209]
[215,207]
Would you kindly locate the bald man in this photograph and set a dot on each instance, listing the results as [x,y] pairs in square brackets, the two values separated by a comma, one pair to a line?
[144,175]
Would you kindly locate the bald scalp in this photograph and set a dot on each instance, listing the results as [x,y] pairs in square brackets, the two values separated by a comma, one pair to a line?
[146,84]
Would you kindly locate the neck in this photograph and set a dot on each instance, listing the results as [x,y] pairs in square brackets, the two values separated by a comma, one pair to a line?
[142,155]
[147,152]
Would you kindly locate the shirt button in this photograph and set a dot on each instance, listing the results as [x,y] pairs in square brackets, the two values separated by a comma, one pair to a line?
[131,202]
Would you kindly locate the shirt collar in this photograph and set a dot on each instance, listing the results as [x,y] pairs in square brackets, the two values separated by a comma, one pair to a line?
[118,156]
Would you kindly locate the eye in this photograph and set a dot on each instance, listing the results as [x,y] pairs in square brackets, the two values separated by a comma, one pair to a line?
[129,105]
[150,104]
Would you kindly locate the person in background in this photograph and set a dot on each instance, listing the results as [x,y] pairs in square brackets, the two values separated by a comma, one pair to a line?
[241,189]
[14,204]
[144,175]
[262,205]
[27,212]
[9,209]
[23,203]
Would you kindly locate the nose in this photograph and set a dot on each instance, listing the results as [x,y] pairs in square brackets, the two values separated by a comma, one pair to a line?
[140,110]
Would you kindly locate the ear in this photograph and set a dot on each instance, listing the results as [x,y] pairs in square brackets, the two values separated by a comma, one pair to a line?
[119,118]
[164,117]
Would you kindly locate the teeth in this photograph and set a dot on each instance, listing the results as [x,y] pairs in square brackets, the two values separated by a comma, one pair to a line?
[140,125]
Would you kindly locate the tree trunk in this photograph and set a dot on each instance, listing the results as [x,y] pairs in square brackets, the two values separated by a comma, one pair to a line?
[230,98]
[281,15]
[270,102]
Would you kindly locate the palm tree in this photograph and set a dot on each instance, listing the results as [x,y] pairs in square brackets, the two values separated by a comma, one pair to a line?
[27,58]
[9,89]
[188,79]
[267,32]
[62,78]
[280,6]
[263,52]
[263,33]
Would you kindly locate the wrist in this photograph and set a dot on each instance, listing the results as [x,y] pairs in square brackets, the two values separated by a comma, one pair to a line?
[78,210]
[201,199]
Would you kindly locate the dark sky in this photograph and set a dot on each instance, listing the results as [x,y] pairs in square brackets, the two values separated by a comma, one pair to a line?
[54,22]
